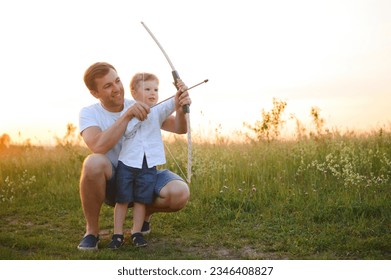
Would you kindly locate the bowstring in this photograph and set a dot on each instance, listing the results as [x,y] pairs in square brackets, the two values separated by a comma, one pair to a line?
[189,155]
[175,161]
[189,152]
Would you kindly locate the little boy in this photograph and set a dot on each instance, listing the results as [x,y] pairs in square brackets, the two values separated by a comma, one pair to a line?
[142,150]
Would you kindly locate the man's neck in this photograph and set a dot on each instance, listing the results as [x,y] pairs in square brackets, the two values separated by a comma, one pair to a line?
[113,109]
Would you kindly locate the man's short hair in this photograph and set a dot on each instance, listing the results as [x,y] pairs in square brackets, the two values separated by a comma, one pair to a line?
[96,70]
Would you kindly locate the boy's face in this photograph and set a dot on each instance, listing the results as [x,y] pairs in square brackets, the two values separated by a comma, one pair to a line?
[147,92]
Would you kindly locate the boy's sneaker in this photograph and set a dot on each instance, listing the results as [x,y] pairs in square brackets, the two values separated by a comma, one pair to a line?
[146,228]
[138,239]
[89,243]
[116,241]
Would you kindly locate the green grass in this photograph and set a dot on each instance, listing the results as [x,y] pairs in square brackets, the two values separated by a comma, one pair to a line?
[325,198]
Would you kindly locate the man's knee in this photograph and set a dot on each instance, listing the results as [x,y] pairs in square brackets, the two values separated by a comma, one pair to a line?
[96,170]
[95,166]
[178,194]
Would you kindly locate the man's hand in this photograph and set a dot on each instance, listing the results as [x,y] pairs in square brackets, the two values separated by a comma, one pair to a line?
[182,96]
[138,110]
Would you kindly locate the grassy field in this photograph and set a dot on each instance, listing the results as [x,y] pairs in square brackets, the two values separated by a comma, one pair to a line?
[323,197]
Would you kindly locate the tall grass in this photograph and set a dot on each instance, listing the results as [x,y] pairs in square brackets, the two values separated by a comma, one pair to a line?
[315,198]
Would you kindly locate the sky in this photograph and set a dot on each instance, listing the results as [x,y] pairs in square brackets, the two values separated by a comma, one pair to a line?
[334,55]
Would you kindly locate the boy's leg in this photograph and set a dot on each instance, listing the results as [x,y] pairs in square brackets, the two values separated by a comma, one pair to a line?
[117,240]
[138,217]
[120,212]
[138,220]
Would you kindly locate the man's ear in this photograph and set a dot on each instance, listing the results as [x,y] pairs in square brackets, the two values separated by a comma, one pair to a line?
[94,93]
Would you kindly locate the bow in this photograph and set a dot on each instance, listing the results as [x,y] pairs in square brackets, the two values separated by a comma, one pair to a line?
[186,108]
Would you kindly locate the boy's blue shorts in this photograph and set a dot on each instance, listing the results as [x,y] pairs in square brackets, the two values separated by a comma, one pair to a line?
[163,177]
[135,184]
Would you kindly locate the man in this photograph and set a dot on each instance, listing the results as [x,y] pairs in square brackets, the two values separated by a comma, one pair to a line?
[102,126]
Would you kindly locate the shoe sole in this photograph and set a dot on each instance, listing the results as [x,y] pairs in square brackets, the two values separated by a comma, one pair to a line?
[88,248]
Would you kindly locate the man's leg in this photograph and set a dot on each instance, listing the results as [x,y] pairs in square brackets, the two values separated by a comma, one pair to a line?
[172,197]
[97,169]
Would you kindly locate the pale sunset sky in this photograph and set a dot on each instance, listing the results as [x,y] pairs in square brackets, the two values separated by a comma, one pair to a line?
[335,55]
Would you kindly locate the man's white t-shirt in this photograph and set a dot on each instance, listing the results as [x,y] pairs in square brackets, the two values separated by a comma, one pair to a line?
[96,115]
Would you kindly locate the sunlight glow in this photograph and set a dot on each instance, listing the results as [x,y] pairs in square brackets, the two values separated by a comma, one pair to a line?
[335,55]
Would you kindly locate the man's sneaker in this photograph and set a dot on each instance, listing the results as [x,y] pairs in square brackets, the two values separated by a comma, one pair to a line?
[138,239]
[116,241]
[89,243]
[146,228]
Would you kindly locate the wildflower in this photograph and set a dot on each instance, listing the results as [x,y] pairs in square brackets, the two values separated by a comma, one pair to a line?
[240,190]
[254,189]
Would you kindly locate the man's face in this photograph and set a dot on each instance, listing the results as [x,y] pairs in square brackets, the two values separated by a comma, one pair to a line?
[110,91]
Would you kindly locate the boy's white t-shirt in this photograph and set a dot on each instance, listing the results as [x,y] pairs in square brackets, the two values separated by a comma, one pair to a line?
[96,115]
[145,138]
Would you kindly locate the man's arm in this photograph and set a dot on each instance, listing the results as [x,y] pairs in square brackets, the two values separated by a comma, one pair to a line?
[100,142]
[178,123]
